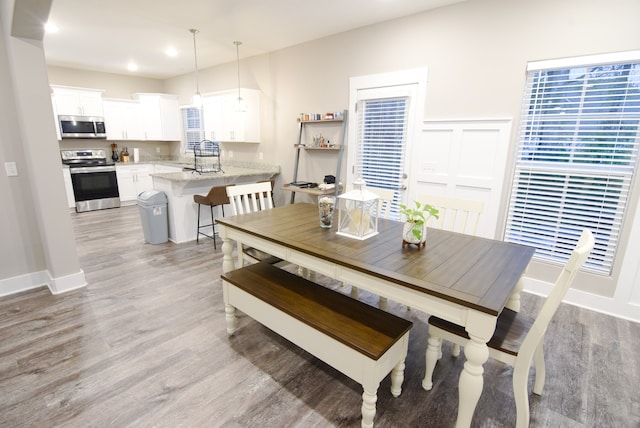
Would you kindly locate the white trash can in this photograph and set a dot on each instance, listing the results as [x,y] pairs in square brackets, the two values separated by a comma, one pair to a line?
[153,214]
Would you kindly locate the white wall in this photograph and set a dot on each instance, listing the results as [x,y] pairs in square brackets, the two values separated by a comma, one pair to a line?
[114,85]
[38,240]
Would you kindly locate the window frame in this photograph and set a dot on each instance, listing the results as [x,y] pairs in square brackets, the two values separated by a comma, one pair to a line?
[521,164]
[187,143]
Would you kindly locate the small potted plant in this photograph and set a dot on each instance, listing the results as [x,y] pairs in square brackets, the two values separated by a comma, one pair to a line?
[415,227]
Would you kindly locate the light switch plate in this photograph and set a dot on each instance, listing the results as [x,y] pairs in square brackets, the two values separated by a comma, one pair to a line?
[11,168]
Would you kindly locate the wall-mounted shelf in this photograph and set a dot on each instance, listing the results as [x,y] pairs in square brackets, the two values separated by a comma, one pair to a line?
[340,119]
[337,148]
[309,190]
[302,146]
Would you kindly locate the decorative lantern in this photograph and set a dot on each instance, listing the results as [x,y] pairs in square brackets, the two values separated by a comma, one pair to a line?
[358,212]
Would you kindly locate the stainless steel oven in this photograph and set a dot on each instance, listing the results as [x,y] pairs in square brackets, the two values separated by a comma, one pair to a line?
[95,185]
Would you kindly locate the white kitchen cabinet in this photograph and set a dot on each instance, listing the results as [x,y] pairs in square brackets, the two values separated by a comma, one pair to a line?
[133,180]
[160,116]
[212,117]
[77,101]
[123,120]
[68,187]
[223,123]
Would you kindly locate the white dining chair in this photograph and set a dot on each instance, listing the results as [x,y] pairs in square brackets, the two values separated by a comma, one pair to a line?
[518,339]
[248,198]
[384,211]
[456,214]
[251,197]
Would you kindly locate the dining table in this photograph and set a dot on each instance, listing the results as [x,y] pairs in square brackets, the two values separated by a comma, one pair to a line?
[464,279]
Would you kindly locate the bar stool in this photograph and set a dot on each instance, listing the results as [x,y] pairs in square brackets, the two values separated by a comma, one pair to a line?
[217,196]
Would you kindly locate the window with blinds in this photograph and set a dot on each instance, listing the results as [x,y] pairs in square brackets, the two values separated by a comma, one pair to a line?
[193,128]
[382,138]
[577,154]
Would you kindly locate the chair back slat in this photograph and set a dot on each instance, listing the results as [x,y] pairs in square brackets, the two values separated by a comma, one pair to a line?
[248,198]
[456,215]
[385,201]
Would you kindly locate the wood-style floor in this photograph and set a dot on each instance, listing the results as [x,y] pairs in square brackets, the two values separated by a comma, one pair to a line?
[145,345]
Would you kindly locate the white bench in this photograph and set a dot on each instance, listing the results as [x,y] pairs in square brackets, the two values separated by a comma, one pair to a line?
[363,342]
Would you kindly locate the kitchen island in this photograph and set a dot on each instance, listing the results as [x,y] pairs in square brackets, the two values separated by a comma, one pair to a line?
[180,187]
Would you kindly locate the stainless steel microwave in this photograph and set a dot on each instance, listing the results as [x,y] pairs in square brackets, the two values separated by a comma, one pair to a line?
[82,127]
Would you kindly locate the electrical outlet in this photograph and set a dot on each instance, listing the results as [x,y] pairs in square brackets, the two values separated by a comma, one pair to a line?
[261,156]
[230,154]
[157,149]
[11,168]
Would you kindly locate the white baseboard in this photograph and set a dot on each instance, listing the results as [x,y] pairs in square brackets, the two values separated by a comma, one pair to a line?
[21,283]
[43,278]
[594,302]
[67,283]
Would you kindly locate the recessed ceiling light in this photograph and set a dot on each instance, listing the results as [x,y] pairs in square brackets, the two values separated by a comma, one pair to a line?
[132,66]
[50,27]
[171,52]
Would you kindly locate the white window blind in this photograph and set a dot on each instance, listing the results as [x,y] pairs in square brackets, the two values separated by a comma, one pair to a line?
[382,138]
[577,154]
[193,128]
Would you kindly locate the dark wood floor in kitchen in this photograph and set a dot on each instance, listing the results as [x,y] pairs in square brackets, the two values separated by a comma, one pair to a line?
[144,345]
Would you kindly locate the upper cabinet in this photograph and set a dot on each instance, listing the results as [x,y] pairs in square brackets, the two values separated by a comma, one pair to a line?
[160,116]
[223,123]
[77,101]
[123,120]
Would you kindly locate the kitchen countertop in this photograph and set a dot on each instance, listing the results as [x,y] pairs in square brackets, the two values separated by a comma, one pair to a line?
[230,169]
[180,188]
[227,172]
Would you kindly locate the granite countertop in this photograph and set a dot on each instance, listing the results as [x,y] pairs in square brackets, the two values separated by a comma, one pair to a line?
[230,169]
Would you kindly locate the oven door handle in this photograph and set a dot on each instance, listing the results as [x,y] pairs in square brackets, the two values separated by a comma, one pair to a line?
[90,169]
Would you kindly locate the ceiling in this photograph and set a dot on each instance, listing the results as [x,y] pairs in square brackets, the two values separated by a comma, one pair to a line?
[108,35]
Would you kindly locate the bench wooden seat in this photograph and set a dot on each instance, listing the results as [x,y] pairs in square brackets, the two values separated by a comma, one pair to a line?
[363,342]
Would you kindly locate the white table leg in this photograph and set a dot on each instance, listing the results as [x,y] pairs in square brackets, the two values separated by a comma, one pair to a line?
[471,381]
[480,328]
[227,266]
[397,377]
[433,354]
[368,408]
[230,317]
[227,251]
[514,299]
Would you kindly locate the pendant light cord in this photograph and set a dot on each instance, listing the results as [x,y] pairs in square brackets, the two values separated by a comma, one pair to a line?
[238,62]
[195,57]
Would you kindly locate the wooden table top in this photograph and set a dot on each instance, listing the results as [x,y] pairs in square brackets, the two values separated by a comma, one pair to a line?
[474,272]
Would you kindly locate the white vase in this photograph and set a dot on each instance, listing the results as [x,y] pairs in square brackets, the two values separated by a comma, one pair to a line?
[409,235]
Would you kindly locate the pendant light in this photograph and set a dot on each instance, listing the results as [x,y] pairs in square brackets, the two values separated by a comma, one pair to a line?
[240,104]
[196,100]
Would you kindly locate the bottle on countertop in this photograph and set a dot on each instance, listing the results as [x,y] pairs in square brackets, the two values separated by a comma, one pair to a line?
[124,156]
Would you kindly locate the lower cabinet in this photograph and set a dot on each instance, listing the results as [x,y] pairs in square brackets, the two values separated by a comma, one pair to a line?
[133,180]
